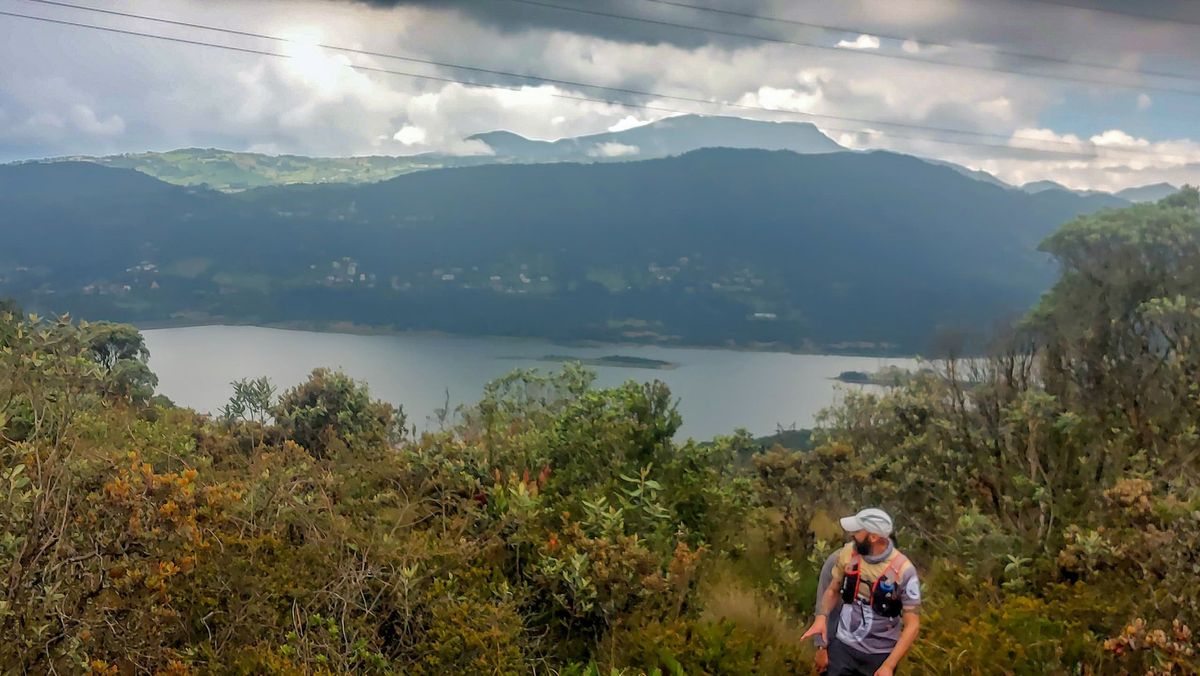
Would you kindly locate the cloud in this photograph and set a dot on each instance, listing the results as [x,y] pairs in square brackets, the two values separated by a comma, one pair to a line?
[410,135]
[1143,101]
[85,120]
[69,91]
[1006,25]
[861,42]
[627,122]
[782,99]
[1110,160]
[1115,138]
[613,150]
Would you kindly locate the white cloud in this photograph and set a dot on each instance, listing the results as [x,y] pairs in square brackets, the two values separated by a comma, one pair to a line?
[85,120]
[1110,160]
[410,135]
[1144,101]
[861,42]
[613,150]
[141,94]
[627,122]
[859,140]
[781,99]
[1118,139]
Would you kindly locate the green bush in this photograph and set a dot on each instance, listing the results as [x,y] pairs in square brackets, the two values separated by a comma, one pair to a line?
[330,412]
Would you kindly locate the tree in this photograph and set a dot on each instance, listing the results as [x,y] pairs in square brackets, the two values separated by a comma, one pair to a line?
[121,352]
[113,343]
[252,401]
[250,406]
[1120,325]
[331,410]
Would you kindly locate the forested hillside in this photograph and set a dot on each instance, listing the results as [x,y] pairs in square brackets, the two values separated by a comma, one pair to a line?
[235,171]
[1048,493]
[837,251]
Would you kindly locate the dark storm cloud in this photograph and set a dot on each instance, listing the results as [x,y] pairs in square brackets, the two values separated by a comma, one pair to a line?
[515,16]
[1156,24]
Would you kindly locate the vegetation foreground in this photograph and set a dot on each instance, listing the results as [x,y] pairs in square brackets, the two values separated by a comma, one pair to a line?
[1048,492]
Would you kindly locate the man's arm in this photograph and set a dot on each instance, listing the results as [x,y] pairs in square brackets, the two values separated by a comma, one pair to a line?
[824,582]
[908,636]
[820,624]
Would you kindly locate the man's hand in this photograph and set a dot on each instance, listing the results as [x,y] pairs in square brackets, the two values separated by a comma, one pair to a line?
[822,659]
[885,670]
[818,629]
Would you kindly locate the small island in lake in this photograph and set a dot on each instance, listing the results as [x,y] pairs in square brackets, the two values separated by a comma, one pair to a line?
[889,376]
[614,360]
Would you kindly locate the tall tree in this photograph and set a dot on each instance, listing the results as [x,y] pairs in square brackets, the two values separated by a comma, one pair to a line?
[121,352]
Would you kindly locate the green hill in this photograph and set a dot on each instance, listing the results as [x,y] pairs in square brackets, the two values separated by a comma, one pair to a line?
[838,251]
[234,171]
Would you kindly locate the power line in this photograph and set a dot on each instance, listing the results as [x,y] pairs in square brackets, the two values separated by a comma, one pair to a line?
[435,78]
[619,90]
[1045,58]
[859,52]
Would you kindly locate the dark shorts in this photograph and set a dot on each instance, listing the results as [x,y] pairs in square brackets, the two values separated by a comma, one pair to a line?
[844,661]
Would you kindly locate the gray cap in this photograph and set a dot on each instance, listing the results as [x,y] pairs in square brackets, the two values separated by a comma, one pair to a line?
[872,520]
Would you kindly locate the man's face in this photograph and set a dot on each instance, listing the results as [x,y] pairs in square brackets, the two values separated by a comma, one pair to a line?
[863,541]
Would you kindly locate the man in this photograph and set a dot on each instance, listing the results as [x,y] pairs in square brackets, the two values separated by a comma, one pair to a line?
[821,660]
[878,584]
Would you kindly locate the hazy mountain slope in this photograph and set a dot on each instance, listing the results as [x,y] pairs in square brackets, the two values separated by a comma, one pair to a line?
[714,246]
[671,136]
[1148,193]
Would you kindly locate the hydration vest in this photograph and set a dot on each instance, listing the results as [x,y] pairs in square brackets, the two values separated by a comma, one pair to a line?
[884,601]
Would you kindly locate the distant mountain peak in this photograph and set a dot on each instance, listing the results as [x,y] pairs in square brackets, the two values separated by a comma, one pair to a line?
[1040,186]
[1148,193]
[662,138]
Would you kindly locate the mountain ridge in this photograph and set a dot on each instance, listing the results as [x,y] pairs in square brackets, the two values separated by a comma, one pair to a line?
[666,137]
[233,171]
[838,252]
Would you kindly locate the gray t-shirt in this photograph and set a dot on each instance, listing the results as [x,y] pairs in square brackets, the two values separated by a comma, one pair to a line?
[822,585]
[859,627]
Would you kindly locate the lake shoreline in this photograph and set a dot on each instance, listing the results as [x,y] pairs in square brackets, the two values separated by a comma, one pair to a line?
[717,391]
[352,329]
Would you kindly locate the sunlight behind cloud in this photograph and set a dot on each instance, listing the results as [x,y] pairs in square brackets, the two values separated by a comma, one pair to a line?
[410,135]
[317,67]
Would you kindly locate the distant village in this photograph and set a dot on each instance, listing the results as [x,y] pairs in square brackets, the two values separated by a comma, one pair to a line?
[519,278]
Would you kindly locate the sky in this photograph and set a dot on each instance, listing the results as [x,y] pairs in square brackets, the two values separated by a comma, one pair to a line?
[1110,119]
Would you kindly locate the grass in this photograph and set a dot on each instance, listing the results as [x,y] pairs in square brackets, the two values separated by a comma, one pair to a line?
[732,600]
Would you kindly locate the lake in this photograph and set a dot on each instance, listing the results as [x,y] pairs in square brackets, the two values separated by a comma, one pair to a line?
[719,390]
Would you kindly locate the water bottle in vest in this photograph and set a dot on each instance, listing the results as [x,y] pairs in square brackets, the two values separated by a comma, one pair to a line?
[887,600]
